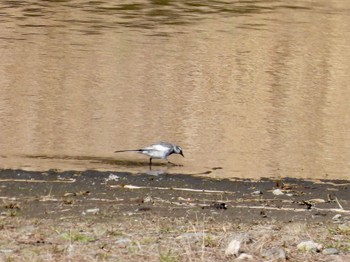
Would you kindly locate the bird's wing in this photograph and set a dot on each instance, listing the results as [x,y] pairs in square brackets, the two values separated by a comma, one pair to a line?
[150,148]
[161,147]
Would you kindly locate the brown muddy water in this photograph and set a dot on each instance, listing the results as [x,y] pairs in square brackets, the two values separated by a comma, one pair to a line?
[247,88]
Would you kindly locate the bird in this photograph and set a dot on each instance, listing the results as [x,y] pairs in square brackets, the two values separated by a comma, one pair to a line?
[159,150]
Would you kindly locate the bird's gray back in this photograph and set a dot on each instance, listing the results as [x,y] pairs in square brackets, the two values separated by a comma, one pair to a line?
[166,144]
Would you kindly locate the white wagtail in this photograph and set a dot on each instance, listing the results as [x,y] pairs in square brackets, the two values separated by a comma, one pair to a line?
[160,150]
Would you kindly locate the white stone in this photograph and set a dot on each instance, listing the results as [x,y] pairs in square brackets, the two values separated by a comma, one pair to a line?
[337,217]
[245,256]
[233,248]
[309,246]
[277,192]
[330,251]
[6,250]
[93,210]
[275,254]
[123,241]
[112,177]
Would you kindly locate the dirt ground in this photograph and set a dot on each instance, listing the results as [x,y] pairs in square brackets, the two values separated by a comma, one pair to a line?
[113,216]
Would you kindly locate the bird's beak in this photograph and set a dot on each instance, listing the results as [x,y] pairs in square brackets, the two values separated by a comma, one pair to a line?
[182,154]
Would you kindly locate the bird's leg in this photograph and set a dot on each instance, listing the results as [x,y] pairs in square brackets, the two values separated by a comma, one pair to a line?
[150,161]
[173,164]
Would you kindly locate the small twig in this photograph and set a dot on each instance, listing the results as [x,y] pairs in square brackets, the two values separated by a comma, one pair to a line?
[173,188]
[38,181]
[337,201]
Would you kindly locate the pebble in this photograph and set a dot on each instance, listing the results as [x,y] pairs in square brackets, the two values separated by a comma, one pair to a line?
[309,246]
[245,256]
[124,241]
[147,199]
[337,217]
[6,250]
[233,247]
[92,210]
[112,177]
[28,229]
[275,254]
[277,192]
[330,251]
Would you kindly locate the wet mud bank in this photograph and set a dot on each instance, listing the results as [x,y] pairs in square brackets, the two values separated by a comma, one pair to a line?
[115,195]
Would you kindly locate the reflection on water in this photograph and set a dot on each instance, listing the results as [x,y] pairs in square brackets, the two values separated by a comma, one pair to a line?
[247,88]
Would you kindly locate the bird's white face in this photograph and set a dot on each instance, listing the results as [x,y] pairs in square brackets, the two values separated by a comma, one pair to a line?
[178,150]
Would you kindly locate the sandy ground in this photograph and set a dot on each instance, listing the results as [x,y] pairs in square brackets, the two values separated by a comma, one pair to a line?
[111,216]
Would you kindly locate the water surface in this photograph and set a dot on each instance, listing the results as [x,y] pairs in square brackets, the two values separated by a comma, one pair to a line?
[247,88]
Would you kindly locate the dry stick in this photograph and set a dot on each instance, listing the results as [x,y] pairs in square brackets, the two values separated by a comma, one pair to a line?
[337,201]
[174,188]
[38,181]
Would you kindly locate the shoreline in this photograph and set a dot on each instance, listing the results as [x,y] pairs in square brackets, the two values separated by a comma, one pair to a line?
[109,216]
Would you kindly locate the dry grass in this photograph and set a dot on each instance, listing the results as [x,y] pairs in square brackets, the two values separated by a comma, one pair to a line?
[159,239]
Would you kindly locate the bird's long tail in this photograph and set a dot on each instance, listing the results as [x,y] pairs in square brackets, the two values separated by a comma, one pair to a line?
[128,150]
